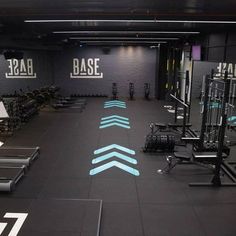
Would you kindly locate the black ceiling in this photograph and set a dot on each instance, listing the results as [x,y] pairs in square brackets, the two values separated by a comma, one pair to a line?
[15,31]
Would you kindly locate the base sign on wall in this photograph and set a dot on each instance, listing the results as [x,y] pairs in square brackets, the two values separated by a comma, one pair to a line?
[86,69]
[21,69]
[230,67]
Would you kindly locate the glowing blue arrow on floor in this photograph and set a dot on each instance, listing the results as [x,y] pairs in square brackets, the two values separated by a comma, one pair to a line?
[114,146]
[115,105]
[115,116]
[115,102]
[116,164]
[114,124]
[114,120]
[114,154]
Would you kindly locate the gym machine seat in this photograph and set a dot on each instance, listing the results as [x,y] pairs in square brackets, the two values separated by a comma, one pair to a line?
[9,177]
[193,158]
[206,157]
[182,155]
[161,125]
[18,155]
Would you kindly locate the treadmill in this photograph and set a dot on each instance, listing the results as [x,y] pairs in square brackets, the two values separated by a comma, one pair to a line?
[18,155]
[13,160]
[10,176]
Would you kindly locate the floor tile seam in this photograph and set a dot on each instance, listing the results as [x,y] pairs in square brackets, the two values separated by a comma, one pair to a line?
[199,221]
[97,146]
[137,192]
[140,209]
[213,204]
[92,178]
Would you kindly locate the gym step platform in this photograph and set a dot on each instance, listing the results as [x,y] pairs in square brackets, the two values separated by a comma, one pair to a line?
[10,176]
[18,155]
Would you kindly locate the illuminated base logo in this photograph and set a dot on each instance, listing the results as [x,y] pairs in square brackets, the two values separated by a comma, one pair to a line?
[21,69]
[86,69]
[113,163]
[114,120]
[115,103]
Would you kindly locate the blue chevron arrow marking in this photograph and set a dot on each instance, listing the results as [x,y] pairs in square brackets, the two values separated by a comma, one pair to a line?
[114,154]
[115,105]
[114,124]
[114,116]
[116,164]
[112,146]
[112,104]
[115,102]
[114,120]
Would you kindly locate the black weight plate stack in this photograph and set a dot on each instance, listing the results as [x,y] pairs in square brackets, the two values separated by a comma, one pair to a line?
[171,142]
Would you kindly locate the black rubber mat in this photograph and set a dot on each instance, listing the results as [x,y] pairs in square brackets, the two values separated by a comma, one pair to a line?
[50,217]
[146,205]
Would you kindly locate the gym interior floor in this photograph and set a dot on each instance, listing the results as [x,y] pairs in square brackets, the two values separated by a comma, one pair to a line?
[147,205]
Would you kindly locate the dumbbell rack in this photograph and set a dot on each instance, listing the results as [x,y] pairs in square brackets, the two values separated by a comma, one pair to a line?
[12,106]
[28,108]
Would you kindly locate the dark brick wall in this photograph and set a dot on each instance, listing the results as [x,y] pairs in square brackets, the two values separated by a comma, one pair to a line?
[42,66]
[121,65]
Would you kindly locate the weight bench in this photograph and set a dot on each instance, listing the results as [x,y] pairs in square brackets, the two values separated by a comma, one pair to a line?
[204,159]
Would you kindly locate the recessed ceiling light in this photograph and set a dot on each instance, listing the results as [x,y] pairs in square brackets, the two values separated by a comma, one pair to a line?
[124,32]
[197,21]
[76,20]
[120,38]
[132,21]
[123,41]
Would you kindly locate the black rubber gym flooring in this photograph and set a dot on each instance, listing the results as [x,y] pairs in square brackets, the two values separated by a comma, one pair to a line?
[146,205]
